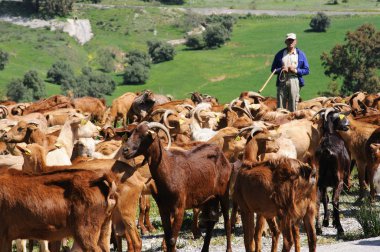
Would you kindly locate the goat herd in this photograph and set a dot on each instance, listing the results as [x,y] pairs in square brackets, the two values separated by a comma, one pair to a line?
[67,170]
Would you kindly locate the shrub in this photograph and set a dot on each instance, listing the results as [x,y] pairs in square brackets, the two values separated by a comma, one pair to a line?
[160,51]
[54,7]
[28,89]
[60,71]
[89,83]
[215,35]
[369,218]
[195,42]
[3,59]
[106,59]
[136,56]
[136,74]
[320,22]
[227,21]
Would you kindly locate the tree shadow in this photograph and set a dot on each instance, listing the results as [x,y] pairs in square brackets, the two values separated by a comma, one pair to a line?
[311,30]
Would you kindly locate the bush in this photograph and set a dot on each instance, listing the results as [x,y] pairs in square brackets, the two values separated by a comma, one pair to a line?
[51,8]
[160,51]
[106,59]
[320,22]
[195,42]
[369,218]
[59,72]
[89,84]
[215,35]
[136,56]
[136,74]
[3,59]
[227,21]
[28,89]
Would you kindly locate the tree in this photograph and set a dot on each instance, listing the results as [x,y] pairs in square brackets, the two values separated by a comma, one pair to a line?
[160,51]
[89,83]
[195,42]
[3,59]
[28,89]
[320,22]
[60,71]
[136,56]
[106,59]
[215,35]
[136,74]
[54,7]
[356,62]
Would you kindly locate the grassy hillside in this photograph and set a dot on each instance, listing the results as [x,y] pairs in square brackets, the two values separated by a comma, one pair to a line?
[242,64]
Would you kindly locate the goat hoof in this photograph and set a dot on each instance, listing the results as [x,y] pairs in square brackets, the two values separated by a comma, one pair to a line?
[340,232]
[325,223]
[144,231]
[152,229]
[318,230]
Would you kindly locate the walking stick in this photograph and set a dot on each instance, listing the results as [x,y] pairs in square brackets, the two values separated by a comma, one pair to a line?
[265,84]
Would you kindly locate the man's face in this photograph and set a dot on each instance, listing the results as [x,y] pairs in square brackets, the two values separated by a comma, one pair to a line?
[291,43]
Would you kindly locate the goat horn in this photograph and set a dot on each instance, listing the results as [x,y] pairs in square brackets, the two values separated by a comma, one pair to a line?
[341,105]
[186,106]
[328,111]
[254,94]
[256,129]
[245,129]
[157,111]
[246,107]
[244,111]
[232,103]
[317,113]
[165,118]
[5,109]
[160,126]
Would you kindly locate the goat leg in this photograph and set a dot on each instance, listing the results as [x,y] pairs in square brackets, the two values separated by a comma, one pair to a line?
[195,229]
[260,223]
[142,203]
[224,203]
[318,226]
[335,203]
[275,233]
[248,228]
[147,222]
[308,221]
[325,201]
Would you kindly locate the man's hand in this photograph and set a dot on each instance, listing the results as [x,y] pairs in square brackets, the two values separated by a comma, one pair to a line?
[285,69]
[292,69]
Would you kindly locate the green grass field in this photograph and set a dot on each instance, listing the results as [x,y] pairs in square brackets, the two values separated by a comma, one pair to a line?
[242,64]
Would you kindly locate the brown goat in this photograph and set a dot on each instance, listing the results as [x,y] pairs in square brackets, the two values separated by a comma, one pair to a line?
[96,107]
[284,188]
[55,205]
[372,149]
[29,133]
[178,176]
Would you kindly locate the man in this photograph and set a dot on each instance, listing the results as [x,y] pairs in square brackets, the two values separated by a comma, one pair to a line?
[290,64]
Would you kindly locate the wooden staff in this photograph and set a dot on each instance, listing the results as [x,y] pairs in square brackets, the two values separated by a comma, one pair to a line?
[265,84]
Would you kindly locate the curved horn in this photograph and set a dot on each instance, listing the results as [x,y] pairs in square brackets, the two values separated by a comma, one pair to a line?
[245,129]
[256,129]
[254,94]
[165,118]
[317,113]
[328,111]
[246,107]
[232,103]
[157,111]
[341,105]
[188,106]
[244,111]
[5,109]
[160,126]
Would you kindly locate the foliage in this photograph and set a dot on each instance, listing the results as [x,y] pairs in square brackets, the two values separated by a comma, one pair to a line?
[227,21]
[136,74]
[60,71]
[192,20]
[357,61]
[106,59]
[215,35]
[320,22]
[369,218]
[3,59]
[160,51]
[195,42]
[28,89]
[89,83]
[136,56]
[55,7]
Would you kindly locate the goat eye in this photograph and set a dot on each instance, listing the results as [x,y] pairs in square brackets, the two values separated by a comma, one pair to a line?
[19,129]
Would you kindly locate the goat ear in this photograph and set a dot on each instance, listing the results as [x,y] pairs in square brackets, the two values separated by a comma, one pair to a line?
[375,146]
[32,126]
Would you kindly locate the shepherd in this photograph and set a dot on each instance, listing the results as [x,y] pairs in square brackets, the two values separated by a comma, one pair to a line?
[290,65]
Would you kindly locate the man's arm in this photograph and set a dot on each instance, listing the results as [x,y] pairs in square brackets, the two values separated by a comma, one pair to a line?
[303,64]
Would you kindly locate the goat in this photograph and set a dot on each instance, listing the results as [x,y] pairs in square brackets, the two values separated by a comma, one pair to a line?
[333,162]
[178,174]
[283,188]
